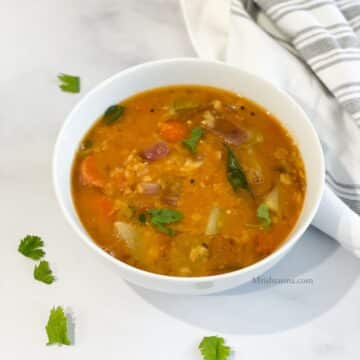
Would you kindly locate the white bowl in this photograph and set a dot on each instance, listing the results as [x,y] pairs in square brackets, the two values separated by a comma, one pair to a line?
[188,71]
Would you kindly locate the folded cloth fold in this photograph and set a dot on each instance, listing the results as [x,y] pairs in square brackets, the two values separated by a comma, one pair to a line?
[311,49]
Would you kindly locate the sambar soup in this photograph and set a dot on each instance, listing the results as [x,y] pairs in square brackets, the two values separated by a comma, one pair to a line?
[188,181]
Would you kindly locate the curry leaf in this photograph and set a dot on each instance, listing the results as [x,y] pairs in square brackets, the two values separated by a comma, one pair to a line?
[142,218]
[56,327]
[162,216]
[213,348]
[69,83]
[263,214]
[192,141]
[113,113]
[235,174]
[31,246]
[87,144]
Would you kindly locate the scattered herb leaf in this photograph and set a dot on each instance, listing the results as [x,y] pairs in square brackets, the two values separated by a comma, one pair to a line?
[166,230]
[30,246]
[263,214]
[69,83]
[213,348]
[43,273]
[56,327]
[142,218]
[87,144]
[113,113]
[192,140]
[235,174]
[161,217]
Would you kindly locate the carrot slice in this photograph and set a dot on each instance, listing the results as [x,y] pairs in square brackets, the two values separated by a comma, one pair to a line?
[90,174]
[172,131]
[100,206]
[104,206]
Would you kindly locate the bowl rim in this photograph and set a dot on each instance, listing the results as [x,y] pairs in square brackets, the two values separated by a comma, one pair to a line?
[275,255]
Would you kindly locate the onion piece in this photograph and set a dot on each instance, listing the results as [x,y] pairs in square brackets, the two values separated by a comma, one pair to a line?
[228,131]
[171,200]
[172,190]
[126,232]
[155,152]
[150,188]
[184,104]
[212,226]
[208,119]
[234,137]
[254,174]
[272,199]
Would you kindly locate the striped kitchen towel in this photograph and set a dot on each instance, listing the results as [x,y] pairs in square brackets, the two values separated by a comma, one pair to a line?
[323,32]
[309,48]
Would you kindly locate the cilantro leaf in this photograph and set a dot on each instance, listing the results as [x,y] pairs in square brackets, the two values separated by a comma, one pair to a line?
[191,141]
[235,174]
[113,113]
[56,327]
[69,83]
[166,230]
[43,273]
[213,348]
[165,216]
[263,214]
[30,246]
[162,216]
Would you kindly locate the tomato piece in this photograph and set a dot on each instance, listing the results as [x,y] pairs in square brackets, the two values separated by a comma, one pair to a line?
[173,131]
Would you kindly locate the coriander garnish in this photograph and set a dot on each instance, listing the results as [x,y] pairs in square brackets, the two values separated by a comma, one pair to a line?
[69,83]
[263,214]
[161,217]
[43,273]
[193,139]
[31,247]
[56,327]
[213,348]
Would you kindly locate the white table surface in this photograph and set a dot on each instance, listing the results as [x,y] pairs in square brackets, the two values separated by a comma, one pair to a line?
[113,319]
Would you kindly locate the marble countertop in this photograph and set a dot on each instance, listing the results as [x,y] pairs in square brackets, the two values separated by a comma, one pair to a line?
[113,319]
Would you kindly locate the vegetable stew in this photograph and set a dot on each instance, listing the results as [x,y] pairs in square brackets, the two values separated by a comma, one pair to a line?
[188,181]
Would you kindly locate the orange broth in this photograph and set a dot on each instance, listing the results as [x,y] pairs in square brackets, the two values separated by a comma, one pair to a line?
[158,204]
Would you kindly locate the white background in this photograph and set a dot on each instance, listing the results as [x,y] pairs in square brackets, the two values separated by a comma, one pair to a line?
[113,319]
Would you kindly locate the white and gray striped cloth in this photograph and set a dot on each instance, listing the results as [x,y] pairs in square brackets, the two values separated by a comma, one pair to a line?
[323,32]
[311,49]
